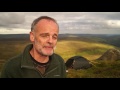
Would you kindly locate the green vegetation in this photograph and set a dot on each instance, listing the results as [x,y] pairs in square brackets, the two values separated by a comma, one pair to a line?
[86,49]
[101,69]
[67,49]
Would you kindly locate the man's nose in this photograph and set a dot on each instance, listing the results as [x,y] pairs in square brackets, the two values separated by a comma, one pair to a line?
[50,39]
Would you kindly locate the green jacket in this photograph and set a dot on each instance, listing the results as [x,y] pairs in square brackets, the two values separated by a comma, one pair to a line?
[22,66]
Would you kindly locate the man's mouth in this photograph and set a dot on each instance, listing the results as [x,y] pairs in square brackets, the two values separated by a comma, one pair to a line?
[48,47]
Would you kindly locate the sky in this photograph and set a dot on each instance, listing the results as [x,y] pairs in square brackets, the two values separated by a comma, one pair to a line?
[69,22]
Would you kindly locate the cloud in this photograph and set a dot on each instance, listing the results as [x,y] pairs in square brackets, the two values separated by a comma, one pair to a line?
[70,22]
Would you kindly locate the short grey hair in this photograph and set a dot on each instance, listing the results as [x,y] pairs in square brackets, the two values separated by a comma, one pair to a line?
[40,18]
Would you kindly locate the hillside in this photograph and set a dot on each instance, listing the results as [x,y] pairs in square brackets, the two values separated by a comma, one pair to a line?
[101,38]
[88,46]
[70,44]
[89,50]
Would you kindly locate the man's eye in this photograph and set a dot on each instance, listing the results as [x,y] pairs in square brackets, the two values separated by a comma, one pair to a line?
[54,37]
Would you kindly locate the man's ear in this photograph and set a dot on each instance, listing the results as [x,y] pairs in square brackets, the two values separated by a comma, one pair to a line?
[31,36]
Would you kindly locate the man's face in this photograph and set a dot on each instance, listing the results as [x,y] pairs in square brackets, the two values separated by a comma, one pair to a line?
[45,37]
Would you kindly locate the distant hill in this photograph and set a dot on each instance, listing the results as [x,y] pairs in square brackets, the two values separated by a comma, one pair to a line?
[14,37]
[102,38]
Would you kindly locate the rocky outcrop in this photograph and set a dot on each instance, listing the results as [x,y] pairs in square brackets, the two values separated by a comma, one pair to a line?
[111,54]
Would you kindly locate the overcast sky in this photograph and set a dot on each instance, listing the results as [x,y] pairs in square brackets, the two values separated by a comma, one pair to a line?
[69,22]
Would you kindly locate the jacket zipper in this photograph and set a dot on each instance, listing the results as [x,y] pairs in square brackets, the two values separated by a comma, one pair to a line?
[50,71]
[33,69]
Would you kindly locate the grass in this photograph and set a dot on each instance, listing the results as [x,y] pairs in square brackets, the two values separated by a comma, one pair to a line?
[71,48]
[67,49]
[102,69]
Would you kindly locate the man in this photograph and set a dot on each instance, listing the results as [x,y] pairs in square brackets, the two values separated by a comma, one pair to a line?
[38,59]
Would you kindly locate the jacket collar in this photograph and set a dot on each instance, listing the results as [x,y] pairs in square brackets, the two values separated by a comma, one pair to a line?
[26,58]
